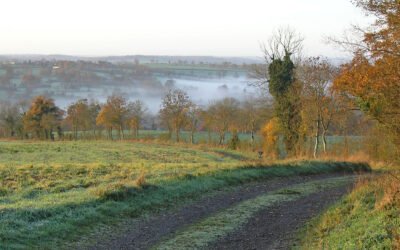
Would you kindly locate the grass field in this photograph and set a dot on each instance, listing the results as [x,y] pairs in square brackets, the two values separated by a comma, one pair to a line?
[53,193]
[200,137]
[336,145]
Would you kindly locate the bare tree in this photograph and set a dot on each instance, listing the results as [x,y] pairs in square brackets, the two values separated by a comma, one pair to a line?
[224,116]
[174,109]
[193,116]
[284,41]
[11,119]
[136,112]
[319,104]
[254,113]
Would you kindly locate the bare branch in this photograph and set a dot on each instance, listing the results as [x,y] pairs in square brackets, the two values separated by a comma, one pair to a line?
[284,41]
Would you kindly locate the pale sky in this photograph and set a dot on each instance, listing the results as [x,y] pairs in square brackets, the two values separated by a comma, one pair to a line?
[168,27]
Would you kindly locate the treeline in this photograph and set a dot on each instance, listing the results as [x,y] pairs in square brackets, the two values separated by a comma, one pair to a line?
[119,118]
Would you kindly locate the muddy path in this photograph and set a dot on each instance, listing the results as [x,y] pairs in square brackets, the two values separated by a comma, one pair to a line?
[276,227]
[284,218]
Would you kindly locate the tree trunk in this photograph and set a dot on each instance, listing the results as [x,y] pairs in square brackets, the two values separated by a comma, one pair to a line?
[192,137]
[346,147]
[170,134]
[221,138]
[252,138]
[316,139]
[177,135]
[121,129]
[324,140]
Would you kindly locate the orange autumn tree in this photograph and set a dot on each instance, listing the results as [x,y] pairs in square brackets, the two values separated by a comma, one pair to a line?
[43,118]
[372,79]
[113,114]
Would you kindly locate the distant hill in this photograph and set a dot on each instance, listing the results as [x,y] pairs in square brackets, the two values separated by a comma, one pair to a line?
[133,58]
[151,59]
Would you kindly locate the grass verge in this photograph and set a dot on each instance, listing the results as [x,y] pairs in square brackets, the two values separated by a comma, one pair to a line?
[368,218]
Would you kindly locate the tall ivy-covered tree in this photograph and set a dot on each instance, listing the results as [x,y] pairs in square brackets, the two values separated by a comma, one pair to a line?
[278,77]
[281,76]
[282,87]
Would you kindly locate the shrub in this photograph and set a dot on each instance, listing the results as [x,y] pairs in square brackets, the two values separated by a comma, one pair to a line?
[270,133]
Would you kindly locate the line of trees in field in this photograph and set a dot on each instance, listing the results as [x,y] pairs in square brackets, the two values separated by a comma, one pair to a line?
[314,112]
[42,119]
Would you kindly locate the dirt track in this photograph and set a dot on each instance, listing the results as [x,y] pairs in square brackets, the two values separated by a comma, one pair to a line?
[272,228]
[275,227]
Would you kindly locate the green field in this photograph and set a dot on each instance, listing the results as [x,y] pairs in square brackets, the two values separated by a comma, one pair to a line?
[53,193]
[199,136]
[336,145]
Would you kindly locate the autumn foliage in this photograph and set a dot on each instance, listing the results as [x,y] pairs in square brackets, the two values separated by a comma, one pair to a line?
[372,79]
[43,118]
